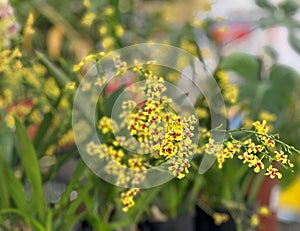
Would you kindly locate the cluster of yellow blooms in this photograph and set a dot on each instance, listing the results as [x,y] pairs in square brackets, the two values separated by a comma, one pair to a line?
[12,70]
[127,198]
[153,127]
[160,128]
[110,31]
[26,88]
[107,125]
[254,152]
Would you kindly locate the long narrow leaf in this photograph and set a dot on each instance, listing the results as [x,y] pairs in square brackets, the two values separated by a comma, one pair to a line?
[31,167]
[255,187]
[11,187]
[6,143]
[72,216]
[49,223]
[4,198]
[142,204]
[64,200]
[41,131]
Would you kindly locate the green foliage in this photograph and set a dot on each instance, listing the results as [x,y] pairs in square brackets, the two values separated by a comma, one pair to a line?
[289,7]
[6,142]
[273,92]
[243,64]
[294,41]
[30,163]
[265,4]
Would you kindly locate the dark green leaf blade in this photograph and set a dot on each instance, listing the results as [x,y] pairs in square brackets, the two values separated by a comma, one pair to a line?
[31,167]
[265,4]
[289,7]
[294,42]
[11,187]
[243,64]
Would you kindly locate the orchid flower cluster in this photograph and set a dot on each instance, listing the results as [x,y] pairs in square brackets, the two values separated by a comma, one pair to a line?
[148,124]
[152,126]
[254,151]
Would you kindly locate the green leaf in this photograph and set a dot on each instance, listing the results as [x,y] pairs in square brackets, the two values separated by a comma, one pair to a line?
[30,164]
[64,200]
[243,64]
[191,198]
[46,123]
[71,214]
[49,140]
[142,203]
[49,223]
[265,4]
[110,100]
[11,187]
[6,142]
[68,224]
[282,86]
[268,22]
[4,192]
[254,187]
[289,7]
[39,140]
[271,52]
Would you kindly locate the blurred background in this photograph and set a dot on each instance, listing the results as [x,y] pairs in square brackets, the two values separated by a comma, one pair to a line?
[57,40]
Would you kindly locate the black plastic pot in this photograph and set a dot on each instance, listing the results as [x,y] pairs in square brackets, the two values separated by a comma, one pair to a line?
[186,223]
[204,222]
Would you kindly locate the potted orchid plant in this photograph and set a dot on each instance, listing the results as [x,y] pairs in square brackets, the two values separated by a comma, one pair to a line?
[172,138]
[148,121]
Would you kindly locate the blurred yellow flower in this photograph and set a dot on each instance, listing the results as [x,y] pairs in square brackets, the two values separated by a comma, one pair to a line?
[51,88]
[103,30]
[86,3]
[88,19]
[107,42]
[267,116]
[263,211]
[220,218]
[28,32]
[119,30]
[71,85]
[10,121]
[254,220]
[108,11]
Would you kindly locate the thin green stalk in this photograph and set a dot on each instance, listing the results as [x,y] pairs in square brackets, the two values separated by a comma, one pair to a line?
[49,223]
[273,137]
